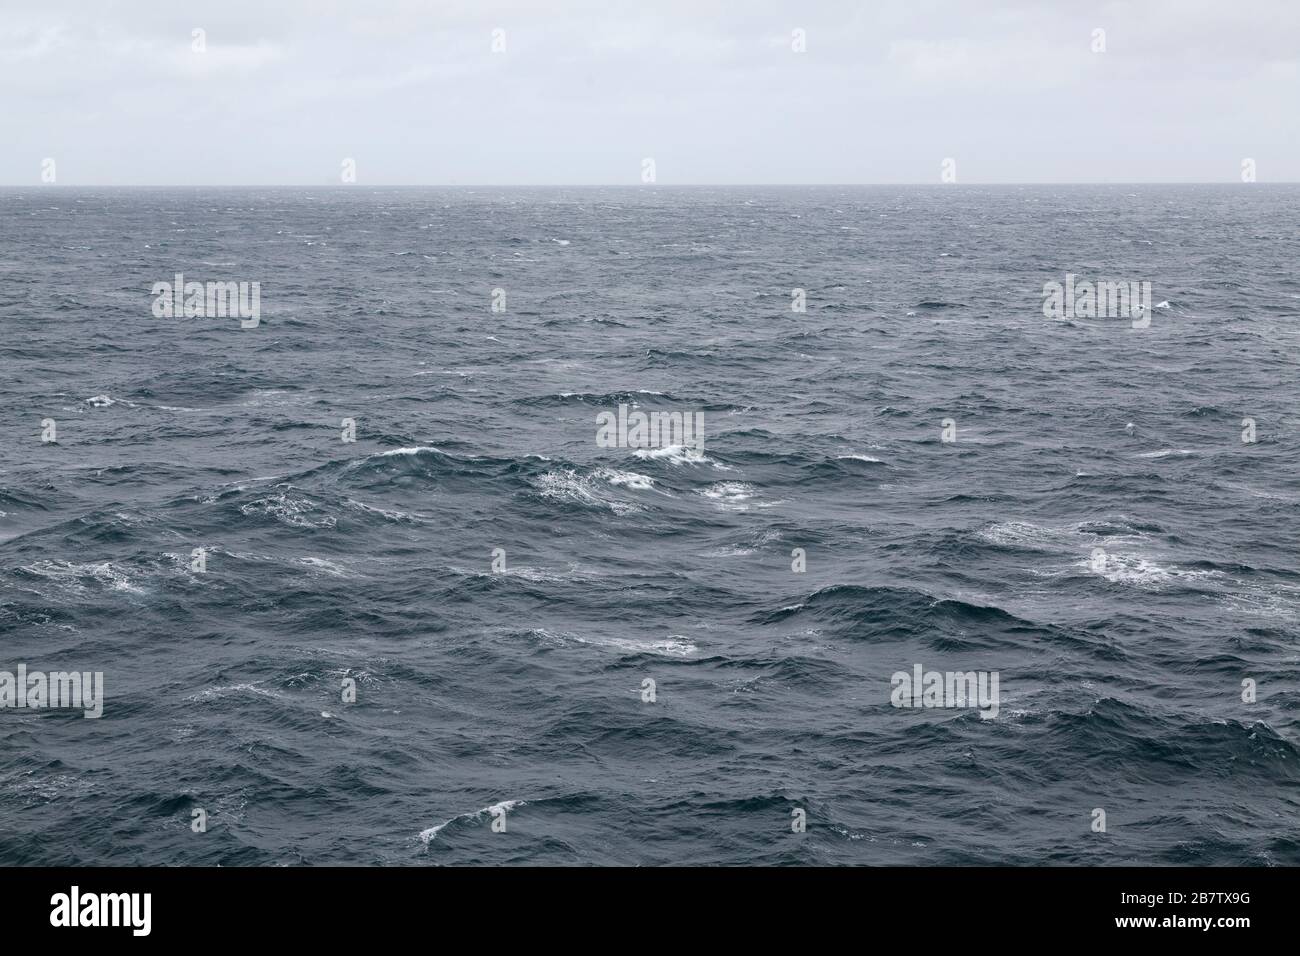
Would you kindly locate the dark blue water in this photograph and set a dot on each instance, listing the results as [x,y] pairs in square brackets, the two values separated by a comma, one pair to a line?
[1120,682]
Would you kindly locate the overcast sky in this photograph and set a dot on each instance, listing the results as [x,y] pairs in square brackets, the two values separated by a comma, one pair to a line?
[584,91]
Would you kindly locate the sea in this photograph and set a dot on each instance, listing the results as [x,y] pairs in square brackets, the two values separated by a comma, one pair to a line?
[366,585]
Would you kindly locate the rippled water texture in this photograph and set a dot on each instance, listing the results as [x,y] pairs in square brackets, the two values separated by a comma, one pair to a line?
[1120,682]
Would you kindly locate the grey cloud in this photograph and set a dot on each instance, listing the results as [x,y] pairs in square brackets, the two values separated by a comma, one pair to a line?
[411,90]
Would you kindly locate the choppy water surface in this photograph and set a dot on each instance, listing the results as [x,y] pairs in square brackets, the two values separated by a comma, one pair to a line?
[1120,679]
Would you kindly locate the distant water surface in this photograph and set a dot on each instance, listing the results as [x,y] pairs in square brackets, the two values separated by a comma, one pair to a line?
[1121,683]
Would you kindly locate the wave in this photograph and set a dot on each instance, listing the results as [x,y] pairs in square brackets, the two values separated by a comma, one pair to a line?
[505,806]
[293,510]
[674,645]
[885,612]
[678,455]
[571,487]
[77,577]
[626,479]
[1137,571]
[105,401]
[413,450]
[1167,452]
[731,495]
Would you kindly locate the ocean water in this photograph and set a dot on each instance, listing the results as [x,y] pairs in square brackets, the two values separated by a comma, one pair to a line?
[1120,676]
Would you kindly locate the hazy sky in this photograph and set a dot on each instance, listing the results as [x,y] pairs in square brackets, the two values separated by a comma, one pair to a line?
[712,91]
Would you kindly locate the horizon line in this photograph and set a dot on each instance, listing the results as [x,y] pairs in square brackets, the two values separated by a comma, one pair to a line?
[641,186]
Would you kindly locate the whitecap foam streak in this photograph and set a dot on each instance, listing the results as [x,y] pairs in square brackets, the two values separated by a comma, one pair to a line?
[674,646]
[1078,539]
[241,485]
[216,693]
[1123,567]
[730,495]
[627,479]
[211,549]
[391,515]
[294,511]
[68,574]
[678,455]
[858,458]
[266,393]
[328,567]
[1280,602]
[539,575]
[1023,534]
[505,806]
[1166,452]
[569,486]
[413,450]
[405,453]
[1135,571]
[635,391]
[737,550]
[1254,493]
[104,401]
